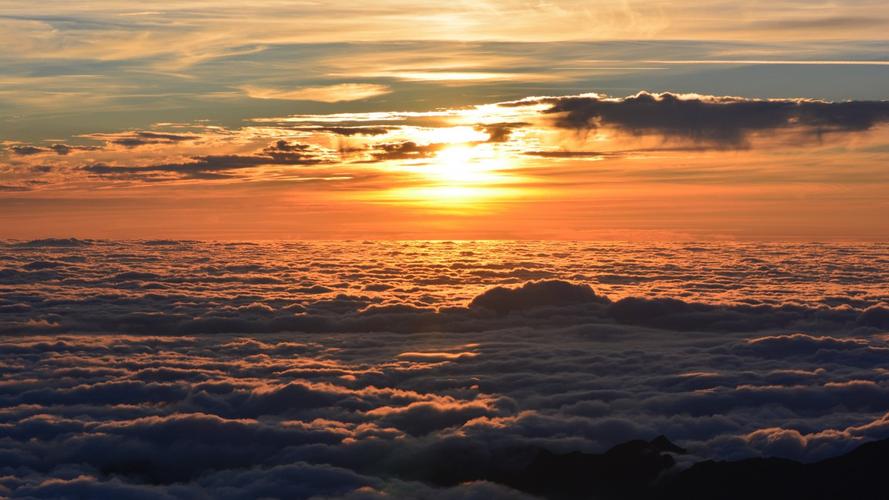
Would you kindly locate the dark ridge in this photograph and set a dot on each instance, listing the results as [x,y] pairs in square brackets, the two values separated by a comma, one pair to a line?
[626,471]
[54,242]
[858,475]
[646,470]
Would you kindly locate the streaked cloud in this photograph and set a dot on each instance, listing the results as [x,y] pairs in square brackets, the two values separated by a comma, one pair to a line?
[341,92]
[458,76]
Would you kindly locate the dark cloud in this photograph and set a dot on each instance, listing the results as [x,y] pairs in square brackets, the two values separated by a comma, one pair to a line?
[216,166]
[59,149]
[725,121]
[499,132]
[282,146]
[534,295]
[24,150]
[350,131]
[406,151]
[136,139]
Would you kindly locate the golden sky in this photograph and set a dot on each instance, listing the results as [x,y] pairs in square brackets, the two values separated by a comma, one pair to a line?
[291,119]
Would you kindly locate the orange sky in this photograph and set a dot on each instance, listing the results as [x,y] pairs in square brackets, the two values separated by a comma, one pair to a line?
[202,119]
[491,171]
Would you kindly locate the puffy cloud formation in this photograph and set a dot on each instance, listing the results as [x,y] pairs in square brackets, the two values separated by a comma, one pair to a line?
[536,295]
[454,379]
[408,415]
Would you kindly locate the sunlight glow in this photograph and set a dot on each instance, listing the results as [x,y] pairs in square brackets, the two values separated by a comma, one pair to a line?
[461,177]
[463,165]
[448,135]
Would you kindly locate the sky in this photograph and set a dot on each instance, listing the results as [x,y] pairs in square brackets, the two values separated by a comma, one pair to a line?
[444,120]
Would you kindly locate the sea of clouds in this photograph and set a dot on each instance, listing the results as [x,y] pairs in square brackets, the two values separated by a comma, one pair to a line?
[365,370]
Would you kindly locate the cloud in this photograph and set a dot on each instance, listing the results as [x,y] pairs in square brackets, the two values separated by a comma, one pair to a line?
[500,132]
[568,154]
[534,295]
[407,150]
[332,306]
[725,121]
[360,392]
[23,150]
[59,149]
[340,92]
[135,139]
[486,137]
[214,166]
[350,131]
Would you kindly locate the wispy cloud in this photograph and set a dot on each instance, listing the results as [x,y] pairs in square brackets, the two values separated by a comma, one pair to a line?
[331,93]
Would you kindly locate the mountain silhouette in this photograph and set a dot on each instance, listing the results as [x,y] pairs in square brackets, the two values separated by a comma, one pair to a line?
[640,469]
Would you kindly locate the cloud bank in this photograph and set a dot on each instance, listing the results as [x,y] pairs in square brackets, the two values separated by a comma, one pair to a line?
[425,369]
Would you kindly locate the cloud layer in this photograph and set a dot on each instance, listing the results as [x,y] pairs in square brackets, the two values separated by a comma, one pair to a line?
[417,357]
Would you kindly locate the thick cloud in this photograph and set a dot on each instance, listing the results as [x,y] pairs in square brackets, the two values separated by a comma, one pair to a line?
[534,295]
[725,121]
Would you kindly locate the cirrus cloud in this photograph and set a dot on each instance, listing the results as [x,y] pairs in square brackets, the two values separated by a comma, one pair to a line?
[341,92]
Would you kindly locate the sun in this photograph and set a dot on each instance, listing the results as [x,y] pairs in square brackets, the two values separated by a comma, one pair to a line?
[459,177]
[463,165]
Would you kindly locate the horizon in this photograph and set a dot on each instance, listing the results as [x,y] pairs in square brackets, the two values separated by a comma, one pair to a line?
[444,249]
